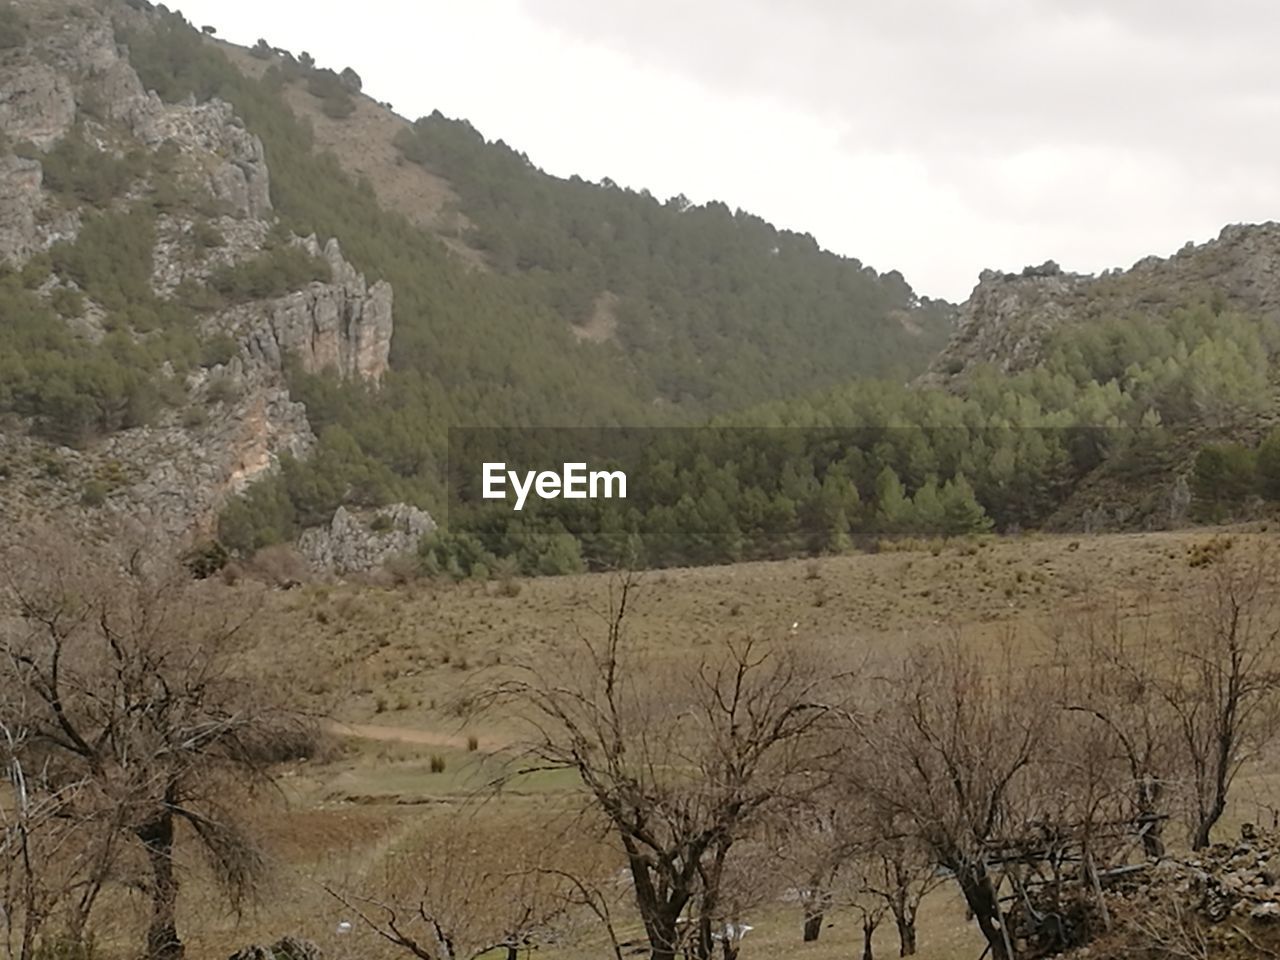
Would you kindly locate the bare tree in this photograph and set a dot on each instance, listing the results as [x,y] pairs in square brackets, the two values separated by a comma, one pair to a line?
[131,680]
[468,889]
[682,770]
[1111,669]
[814,844]
[950,755]
[902,872]
[50,861]
[1223,690]
[843,835]
[866,901]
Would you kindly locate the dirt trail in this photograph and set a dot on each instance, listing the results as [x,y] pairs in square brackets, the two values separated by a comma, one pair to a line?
[426,738]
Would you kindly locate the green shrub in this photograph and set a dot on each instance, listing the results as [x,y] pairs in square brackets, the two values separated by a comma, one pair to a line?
[338,108]
[68,301]
[77,170]
[218,350]
[222,388]
[437,763]
[274,273]
[207,236]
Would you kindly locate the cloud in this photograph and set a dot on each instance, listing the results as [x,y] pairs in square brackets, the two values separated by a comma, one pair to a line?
[1094,131]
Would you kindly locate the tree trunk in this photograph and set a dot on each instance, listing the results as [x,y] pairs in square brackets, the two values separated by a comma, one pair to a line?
[817,902]
[868,929]
[1208,818]
[812,925]
[659,914]
[663,936]
[1149,791]
[162,932]
[980,896]
[906,922]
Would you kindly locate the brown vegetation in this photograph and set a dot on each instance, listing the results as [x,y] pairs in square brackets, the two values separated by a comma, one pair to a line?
[745,791]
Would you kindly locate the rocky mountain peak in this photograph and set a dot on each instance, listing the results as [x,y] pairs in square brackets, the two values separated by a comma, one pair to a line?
[1008,316]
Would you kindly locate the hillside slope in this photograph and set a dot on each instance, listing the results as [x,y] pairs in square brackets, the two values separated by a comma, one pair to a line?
[708,309]
[202,279]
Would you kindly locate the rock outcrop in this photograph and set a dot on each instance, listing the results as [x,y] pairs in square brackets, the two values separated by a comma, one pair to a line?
[238,178]
[344,326]
[37,102]
[20,199]
[1225,900]
[78,74]
[1008,317]
[349,545]
[188,472]
[175,474]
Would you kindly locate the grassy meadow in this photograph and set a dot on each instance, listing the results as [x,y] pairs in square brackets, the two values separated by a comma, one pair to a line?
[395,670]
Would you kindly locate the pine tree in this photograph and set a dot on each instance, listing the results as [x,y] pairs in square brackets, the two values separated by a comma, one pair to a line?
[927,508]
[961,511]
[893,509]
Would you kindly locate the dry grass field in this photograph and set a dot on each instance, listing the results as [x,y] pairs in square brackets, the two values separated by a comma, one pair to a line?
[393,669]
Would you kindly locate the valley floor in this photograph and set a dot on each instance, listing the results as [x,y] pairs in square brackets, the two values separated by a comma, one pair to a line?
[396,668]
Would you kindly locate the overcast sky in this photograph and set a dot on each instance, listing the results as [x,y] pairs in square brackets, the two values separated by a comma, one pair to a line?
[936,137]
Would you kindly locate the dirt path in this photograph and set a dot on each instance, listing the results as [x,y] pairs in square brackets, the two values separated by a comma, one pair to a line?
[426,738]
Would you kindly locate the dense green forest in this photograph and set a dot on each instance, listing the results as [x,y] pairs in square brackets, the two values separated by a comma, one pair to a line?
[874,459]
[716,309]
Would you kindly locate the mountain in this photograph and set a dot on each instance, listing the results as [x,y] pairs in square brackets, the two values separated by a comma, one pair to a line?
[207,285]
[1010,318]
[244,302]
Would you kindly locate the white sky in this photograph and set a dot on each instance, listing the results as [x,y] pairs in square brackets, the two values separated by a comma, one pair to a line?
[935,137]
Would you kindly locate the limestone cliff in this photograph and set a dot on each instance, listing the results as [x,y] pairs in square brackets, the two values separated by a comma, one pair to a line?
[344,326]
[71,78]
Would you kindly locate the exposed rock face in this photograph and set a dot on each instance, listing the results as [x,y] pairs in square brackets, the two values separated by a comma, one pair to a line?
[77,72]
[349,546]
[175,474]
[188,473]
[172,476]
[344,326]
[20,198]
[174,260]
[37,103]
[239,178]
[1008,316]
